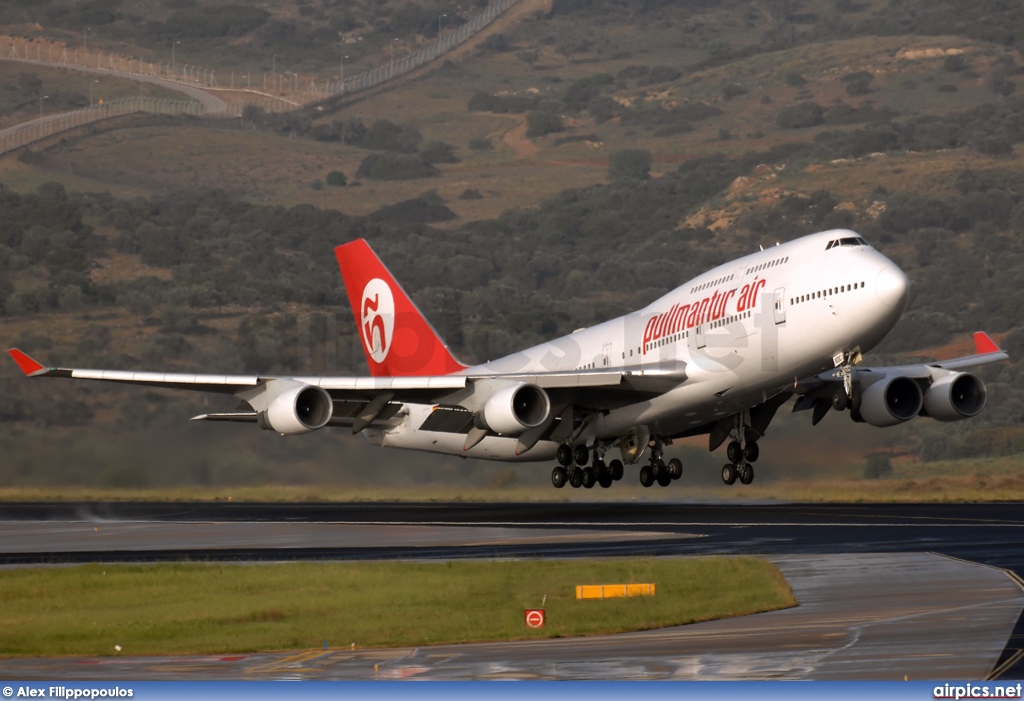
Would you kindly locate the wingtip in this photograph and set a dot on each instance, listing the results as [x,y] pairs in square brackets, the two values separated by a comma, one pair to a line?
[983,343]
[26,363]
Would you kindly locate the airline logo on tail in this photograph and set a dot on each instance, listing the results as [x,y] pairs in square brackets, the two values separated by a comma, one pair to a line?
[378,319]
[397,338]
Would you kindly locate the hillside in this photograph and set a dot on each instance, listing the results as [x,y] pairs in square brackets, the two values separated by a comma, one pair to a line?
[486,186]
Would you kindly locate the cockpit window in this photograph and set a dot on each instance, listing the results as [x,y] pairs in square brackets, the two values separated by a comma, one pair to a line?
[850,241]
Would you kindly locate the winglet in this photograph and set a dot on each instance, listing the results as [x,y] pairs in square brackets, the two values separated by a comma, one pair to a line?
[27,364]
[984,344]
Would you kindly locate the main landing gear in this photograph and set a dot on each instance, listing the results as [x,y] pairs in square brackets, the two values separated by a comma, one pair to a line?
[742,451]
[659,471]
[740,459]
[572,468]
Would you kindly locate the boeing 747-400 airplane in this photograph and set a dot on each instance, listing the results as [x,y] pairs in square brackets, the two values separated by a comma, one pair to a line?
[717,356]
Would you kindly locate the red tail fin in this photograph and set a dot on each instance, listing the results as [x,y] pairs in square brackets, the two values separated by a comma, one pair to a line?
[397,339]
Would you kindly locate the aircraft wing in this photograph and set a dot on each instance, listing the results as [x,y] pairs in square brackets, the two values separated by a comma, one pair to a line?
[818,391]
[986,352]
[360,401]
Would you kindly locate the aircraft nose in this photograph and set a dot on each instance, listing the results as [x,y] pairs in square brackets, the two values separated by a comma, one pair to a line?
[892,287]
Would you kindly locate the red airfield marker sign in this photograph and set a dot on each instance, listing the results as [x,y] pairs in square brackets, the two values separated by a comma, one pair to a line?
[535,618]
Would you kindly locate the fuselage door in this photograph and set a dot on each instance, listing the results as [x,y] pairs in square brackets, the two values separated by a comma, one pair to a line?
[698,333]
[606,355]
[780,306]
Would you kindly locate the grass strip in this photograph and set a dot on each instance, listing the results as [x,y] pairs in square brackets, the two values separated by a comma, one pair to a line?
[191,608]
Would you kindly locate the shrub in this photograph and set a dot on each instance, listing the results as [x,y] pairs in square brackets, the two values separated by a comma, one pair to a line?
[801,116]
[387,136]
[629,164]
[674,129]
[732,90]
[498,43]
[602,108]
[471,194]
[581,92]
[877,467]
[336,179]
[481,143]
[205,22]
[592,138]
[528,56]
[858,83]
[541,123]
[795,80]
[500,104]
[388,166]
[660,74]
[993,146]
[438,152]
[630,72]
[419,210]
[955,63]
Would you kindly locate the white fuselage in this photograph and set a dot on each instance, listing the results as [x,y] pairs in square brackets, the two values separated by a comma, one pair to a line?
[741,333]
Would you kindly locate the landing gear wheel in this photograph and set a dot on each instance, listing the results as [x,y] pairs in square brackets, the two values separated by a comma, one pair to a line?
[576,478]
[564,455]
[581,454]
[747,474]
[646,478]
[605,482]
[734,452]
[558,477]
[675,468]
[751,452]
[729,473]
[664,479]
[615,468]
[839,400]
[600,470]
[588,478]
[657,468]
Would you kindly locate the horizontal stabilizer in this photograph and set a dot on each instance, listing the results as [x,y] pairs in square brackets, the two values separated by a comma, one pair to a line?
[242,416]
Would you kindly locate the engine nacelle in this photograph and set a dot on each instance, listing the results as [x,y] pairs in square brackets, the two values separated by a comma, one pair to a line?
[958,395]
[297,409]
[515,409]
[891,401]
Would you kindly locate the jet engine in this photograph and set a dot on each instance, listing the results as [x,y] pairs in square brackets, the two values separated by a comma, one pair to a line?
[297,409]
[891,401]
[515,409]
[956,396]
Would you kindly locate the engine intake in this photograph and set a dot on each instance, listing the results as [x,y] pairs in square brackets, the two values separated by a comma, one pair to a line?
[515,409]
[958,395]
[891,401]
[297,410]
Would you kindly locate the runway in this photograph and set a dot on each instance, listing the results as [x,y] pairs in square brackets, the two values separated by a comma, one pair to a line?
[880,597]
